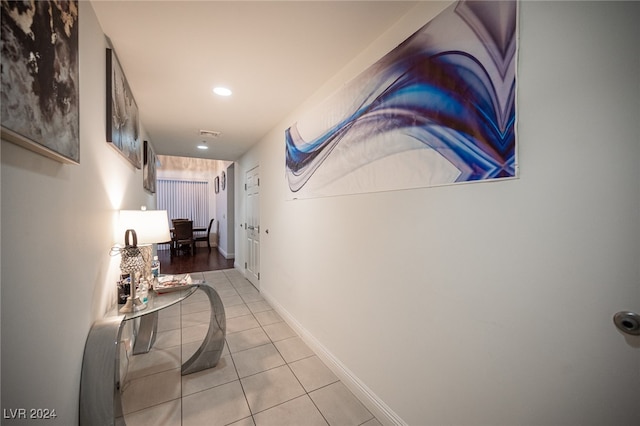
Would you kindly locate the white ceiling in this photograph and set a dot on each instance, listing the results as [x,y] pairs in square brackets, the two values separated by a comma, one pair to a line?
[272,54]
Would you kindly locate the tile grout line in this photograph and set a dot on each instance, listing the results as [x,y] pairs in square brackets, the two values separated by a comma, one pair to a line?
[271,342]
[241,387]
[246,399]
[287,363]
[307,393]
[292,372]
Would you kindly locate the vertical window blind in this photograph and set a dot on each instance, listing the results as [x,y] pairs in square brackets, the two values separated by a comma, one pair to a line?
[184,199]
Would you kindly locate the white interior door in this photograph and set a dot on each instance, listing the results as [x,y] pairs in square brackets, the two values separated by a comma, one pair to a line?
[252,226]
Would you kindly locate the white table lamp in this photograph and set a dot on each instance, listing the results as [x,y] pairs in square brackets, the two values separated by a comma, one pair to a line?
[150,226]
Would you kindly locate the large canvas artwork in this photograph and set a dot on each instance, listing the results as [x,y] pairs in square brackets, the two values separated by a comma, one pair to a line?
[123,129]
[438,109]
[40,86]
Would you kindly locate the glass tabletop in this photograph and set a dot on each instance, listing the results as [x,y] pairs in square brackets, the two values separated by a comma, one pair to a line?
[157,301]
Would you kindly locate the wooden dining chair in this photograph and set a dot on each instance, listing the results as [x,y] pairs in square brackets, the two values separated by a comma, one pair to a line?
[207,236]
[182,237]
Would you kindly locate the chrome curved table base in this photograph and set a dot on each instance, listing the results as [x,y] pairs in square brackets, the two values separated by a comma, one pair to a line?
[146,333]
[100,402]
[100,397]
[209,352]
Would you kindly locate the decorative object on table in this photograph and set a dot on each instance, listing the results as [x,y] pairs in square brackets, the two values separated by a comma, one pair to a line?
[132,262]
[149,168]
[123,289]
[167,283]
[438,109]
[143,290]
[40,78]
[155,267]
[123,131]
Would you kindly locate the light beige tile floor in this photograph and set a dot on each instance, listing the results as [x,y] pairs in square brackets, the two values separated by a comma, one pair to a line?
[266,376]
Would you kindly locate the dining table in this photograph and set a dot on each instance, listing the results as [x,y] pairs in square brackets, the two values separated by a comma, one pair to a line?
[195,229]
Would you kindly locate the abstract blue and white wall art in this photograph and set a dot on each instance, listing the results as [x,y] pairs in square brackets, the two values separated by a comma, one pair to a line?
[438,109]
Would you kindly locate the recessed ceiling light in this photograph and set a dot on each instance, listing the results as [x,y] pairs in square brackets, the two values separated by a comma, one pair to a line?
[203,145]
[222,91]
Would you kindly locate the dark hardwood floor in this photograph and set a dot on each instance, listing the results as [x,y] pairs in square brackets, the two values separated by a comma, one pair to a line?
[203,260]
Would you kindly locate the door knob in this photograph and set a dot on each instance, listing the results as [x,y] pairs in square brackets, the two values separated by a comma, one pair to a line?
[627,322]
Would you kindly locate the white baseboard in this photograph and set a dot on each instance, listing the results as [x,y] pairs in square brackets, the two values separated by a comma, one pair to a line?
[225,254]
[377,407]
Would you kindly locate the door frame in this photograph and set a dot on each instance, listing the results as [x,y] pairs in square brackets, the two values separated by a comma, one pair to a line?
[252,228]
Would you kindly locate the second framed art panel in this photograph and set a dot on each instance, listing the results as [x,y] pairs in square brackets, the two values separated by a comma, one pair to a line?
[123,128]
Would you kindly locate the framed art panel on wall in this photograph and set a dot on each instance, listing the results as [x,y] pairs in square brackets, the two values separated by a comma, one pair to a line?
[149,168]
[123,131]
[40,78]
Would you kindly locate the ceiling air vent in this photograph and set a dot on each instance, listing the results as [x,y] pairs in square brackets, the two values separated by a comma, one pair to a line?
[209,133]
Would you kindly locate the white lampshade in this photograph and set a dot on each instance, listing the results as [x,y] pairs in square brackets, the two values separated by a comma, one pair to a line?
[151,226]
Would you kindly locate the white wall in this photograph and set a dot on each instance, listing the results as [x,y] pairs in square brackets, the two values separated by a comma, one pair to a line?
[226,214]
[487,303]
[57,229]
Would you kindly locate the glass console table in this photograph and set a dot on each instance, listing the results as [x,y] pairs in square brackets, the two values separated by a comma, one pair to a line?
[100,401]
